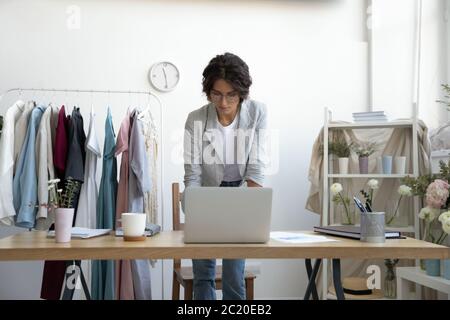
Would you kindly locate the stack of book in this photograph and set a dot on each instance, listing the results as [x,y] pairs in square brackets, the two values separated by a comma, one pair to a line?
[374,116]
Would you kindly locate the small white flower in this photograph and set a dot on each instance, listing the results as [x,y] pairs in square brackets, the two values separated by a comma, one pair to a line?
[373,184]
[60,190]
[405,190]
[444,217]
[336,188]
[446,226]
[428,214]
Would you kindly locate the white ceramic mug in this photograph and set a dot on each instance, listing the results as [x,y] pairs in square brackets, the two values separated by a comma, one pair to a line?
[133,224]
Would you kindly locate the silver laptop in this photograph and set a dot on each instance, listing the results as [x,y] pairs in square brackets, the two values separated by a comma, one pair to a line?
[227,215]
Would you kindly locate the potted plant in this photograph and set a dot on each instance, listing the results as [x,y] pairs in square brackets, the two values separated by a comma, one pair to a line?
[342,150]
[63,204]
[435,215]
[364,151]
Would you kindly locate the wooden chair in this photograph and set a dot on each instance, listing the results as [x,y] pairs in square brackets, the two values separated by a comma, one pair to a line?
[184,275]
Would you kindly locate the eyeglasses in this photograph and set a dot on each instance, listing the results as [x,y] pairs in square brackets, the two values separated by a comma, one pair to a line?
[231,97]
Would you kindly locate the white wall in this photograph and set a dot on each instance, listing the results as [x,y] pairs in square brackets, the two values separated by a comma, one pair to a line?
[447,40]
[393,37]
[434,62]
[303,56]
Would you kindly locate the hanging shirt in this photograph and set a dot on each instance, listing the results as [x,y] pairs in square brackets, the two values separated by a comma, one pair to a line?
[124,278]
[139,177]
[231,170]
[25,179]
[61,144]
[103,270]
[20,130]
[139,183]
[44,164]
[7,211]
[53,274]
[87,205]
[150,134]
[76,155]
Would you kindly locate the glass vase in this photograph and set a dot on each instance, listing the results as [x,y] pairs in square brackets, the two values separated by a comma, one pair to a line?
[395,213]
[348,215]
[390,280]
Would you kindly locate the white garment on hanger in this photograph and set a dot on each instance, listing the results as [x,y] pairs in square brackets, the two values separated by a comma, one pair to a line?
[151,148]
[7,211]
[87,204]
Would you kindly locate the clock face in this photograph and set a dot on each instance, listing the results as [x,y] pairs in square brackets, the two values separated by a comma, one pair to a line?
[164,76]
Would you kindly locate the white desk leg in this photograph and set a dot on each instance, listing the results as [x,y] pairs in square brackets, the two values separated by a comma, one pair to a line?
[402,288]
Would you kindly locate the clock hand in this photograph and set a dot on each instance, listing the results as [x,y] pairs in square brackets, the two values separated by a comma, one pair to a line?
[165,75]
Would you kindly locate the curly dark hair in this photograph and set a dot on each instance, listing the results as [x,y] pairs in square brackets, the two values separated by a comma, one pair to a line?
[230,68]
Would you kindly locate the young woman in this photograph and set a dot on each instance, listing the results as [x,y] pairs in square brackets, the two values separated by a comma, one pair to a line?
[224,146]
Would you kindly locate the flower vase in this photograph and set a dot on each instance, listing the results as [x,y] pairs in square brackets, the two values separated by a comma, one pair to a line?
[390,281]
[423,265]
[363,165]
[395,214]
[446,272]
[63,224]
[343,165]
[348,215]
[433,267]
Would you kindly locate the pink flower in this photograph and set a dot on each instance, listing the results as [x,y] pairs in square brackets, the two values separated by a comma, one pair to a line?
[437,193]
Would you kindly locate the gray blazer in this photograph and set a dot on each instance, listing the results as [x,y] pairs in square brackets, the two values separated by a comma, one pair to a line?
[204,165]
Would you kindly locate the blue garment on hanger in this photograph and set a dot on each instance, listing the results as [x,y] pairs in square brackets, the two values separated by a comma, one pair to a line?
[103,270]
[25,196]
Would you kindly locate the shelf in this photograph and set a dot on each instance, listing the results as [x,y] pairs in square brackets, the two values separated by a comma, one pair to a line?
[419,276]
[370,125]
[370,175]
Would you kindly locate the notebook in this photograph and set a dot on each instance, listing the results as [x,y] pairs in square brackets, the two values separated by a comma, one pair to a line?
[353,232]
[83,233]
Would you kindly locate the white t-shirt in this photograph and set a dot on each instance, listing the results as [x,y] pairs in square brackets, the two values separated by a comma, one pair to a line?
[231,171]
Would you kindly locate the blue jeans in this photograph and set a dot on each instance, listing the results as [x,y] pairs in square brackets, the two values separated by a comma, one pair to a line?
[233,282]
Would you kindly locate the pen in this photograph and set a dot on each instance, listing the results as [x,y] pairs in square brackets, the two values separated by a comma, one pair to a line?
[368,207]
[359,205]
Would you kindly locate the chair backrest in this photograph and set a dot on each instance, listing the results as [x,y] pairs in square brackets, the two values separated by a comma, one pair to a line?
[177,225]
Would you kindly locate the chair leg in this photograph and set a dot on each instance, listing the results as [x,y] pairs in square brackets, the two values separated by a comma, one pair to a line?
[188,290]
[175,288]
[249,289]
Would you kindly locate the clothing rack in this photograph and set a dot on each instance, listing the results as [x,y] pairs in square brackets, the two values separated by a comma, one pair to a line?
[160,138]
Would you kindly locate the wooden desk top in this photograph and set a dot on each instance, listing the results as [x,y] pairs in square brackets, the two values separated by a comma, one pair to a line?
[169,245]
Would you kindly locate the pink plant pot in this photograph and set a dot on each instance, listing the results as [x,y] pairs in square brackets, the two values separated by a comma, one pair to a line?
[63,224]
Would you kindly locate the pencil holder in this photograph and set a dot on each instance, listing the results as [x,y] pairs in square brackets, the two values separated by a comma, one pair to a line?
[372,227]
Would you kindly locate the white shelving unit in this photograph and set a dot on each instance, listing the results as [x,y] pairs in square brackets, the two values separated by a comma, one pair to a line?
[416,275]
[329,125]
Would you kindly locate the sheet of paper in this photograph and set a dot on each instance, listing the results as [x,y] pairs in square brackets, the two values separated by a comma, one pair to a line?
[84,233]
[298,237]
